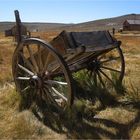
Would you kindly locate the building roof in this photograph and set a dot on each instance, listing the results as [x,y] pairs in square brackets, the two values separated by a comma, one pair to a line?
[136,22]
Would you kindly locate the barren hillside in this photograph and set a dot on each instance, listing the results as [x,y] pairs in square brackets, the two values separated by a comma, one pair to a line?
[102,24]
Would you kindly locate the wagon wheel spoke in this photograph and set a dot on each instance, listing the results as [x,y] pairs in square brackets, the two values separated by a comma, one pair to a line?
[23,78]
[32,58]
[110,69]
[55,69]
[52,65]
[106,76]
[108,60]
[48,59]
[55,82]
[52,83]
[95,78]
[48,95]
[25,89]
[59,94]
[89,73]
[25,70]
[100,78]
[40,64]
[104,53]
[38,96]
[27,62]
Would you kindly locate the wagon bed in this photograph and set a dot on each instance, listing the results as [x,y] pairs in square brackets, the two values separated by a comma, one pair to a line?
[82,46]
[92,41]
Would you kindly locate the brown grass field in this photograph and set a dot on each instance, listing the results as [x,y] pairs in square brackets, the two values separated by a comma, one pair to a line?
[121,121]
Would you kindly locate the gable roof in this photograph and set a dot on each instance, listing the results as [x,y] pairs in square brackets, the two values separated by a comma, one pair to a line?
[136,22]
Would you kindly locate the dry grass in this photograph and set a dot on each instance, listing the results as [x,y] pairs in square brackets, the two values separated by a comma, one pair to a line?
[131,49]
[48,36]
[15,124]
[86,120]
[6,51]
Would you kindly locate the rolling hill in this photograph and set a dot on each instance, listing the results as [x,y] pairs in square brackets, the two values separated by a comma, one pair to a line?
[102,24]
[32,26]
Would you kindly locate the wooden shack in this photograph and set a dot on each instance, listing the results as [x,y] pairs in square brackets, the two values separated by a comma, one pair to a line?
[131,25]
[13,32]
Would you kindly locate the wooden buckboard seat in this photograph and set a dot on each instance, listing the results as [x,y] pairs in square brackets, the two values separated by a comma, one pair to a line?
[92,41]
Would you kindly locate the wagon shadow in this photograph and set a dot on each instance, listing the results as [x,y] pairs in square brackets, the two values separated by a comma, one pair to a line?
[81,122]
[79,125]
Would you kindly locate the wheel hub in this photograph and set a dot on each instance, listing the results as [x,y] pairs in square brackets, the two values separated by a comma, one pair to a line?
[36,82]
[94,65]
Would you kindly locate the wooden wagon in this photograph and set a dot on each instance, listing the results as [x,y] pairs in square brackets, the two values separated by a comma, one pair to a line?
[44,70]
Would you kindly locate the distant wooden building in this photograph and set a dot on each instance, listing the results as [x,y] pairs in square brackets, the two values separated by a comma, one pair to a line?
[131,25]
[13,32]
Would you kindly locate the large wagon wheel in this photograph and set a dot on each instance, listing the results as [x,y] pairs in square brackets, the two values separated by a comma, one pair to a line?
[107,68]
[41,74]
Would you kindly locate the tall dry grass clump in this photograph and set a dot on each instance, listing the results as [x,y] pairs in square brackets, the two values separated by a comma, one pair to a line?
[20,125]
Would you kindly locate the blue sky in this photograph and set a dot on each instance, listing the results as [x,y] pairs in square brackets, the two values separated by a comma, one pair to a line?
[66,11]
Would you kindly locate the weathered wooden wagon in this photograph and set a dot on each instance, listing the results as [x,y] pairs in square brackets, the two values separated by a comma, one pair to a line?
[44,70]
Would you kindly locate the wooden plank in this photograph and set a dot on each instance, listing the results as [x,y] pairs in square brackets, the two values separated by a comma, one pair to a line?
[99,48]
